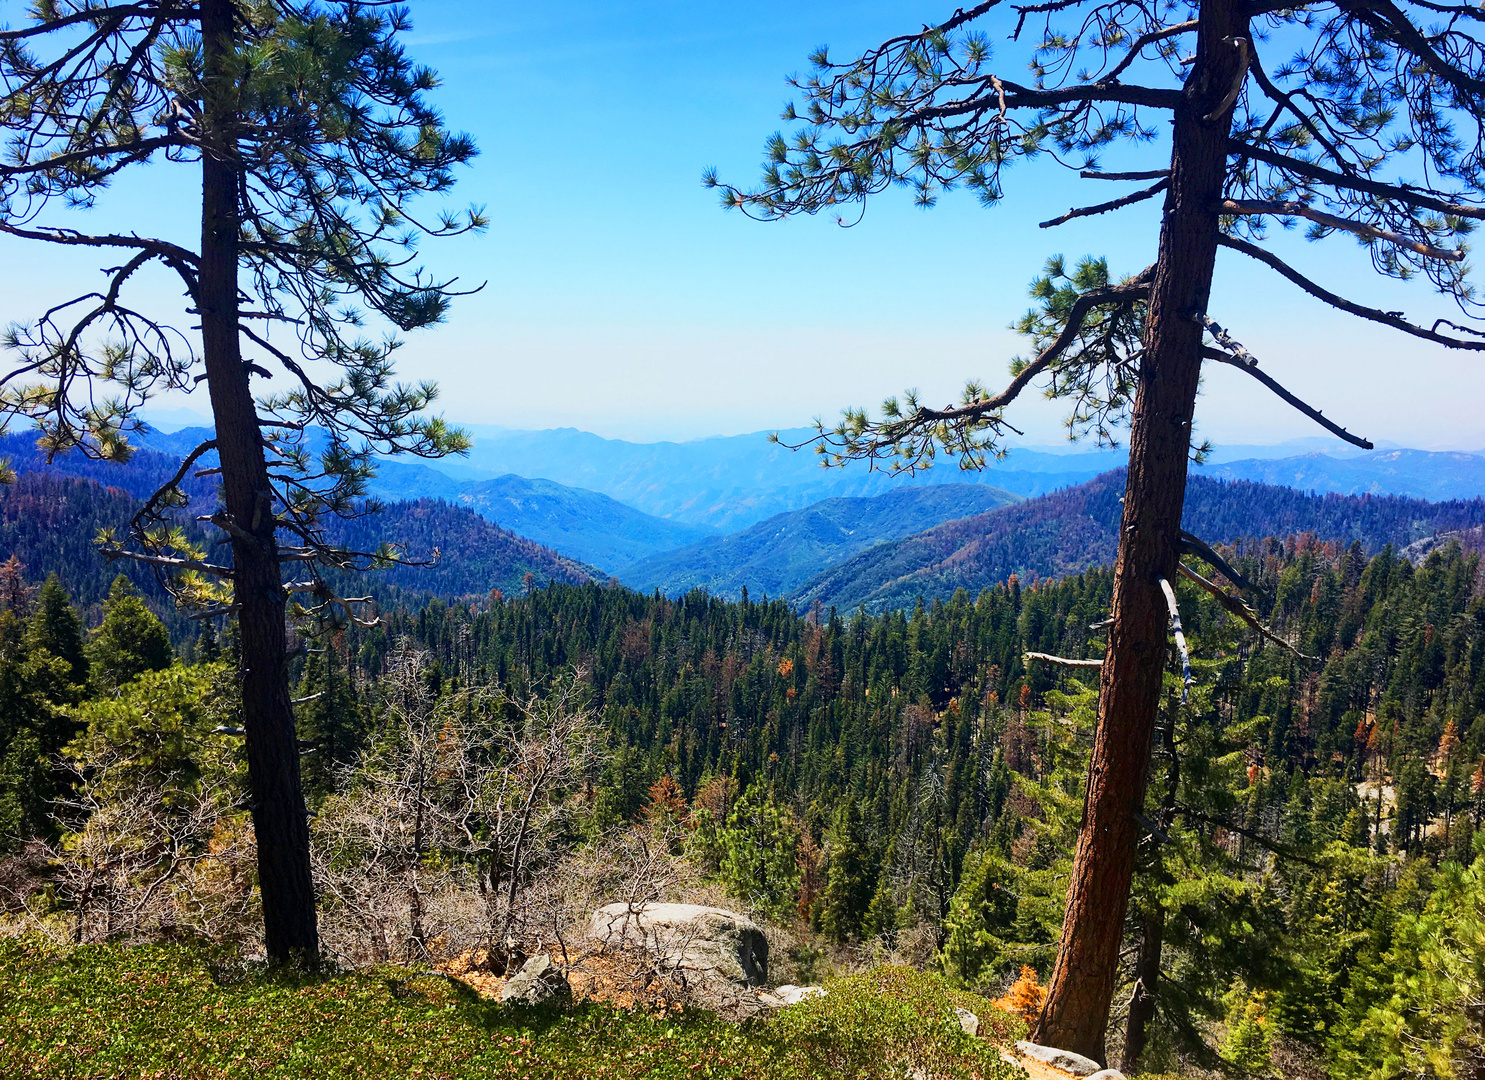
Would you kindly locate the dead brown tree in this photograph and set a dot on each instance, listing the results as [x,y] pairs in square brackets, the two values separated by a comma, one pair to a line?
[1372,126]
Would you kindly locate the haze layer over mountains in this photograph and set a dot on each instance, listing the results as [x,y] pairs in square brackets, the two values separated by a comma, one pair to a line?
[732,513]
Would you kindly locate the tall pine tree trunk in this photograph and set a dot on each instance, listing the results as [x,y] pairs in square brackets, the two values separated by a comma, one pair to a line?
[279,820]
[1083,981]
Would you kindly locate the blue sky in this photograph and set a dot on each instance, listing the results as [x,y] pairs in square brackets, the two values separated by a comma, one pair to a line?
[622,300]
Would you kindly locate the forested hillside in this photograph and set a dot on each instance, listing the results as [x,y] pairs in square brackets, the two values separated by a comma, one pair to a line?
[49,522]
[1421,474]
[1068,531]
[778,555]
[883,773]
[581,524]
[911,780]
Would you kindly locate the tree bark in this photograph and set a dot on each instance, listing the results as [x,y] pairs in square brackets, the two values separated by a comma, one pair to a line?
[279,819]
[1075,1016]
[1147,980]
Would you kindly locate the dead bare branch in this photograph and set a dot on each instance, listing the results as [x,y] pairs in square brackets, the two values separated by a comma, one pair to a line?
[1293,208]
[1112,204]
[1180,635]
[1237,607]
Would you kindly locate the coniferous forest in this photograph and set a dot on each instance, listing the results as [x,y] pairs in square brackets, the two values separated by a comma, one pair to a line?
[902,786]
[1157,771]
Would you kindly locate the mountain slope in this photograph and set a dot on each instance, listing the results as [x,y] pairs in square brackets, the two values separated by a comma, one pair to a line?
[1420,474]
[583,524]
[146,471]
[1068,531]
[475,555]
[780,554]
[735,481]
[48,520]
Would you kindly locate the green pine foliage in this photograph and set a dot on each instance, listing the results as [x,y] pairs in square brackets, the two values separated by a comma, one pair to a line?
[56,628]
[758,848]
[331,716]
[849,876]
[1429,1015]
[129,641]
[981,917]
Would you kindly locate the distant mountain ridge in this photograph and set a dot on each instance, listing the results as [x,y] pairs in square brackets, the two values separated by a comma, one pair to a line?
[588,526]
[584,524]
[778,555]
[1066,532]
[729,483]
[733,482]
[1420,474]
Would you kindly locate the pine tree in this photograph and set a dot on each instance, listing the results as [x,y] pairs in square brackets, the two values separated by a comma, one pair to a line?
[1365,92]
[56,627]
[760,846]
[310,133]
[848,876]
[979,922]
[329,714]
[1248,1044]
[129,641]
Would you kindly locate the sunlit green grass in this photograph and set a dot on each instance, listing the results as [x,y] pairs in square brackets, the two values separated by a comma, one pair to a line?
[182,1012]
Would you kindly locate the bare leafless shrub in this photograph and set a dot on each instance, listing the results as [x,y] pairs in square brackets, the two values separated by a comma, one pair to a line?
[442,838]
[152,855]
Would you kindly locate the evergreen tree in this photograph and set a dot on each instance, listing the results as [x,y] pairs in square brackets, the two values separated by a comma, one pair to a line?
[1248,1043]
[1428,1020]
[41,661]
[25,787]
[130,640]
[56,627]
[849,876]
[330,715]
[1362,92]
[759,851]
[981,916]
[309,131]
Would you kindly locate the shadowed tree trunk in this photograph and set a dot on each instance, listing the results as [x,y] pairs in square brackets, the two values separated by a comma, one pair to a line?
[1083,980]
[1147,980]
[279,820]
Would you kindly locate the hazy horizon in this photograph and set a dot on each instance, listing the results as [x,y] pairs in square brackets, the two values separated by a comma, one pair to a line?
[620,299]
[172,420]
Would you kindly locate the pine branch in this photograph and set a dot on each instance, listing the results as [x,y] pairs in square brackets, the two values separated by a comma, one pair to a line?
[1113,204]
[151,506]
[1196,546]
[1292,208]
[1411,196]
[1180,635]
[1236,606]
[1064,661]
[1393,319]
[1240,358]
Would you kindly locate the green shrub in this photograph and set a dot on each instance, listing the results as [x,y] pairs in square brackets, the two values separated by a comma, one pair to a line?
[890,1022]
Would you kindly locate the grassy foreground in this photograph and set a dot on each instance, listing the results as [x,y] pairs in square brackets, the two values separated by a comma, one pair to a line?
[182,1012]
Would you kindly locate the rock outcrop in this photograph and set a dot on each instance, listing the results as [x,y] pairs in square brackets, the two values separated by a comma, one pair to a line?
[539,980]
[707,940]
[968,1021]
[789,994]
[1065,1060]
